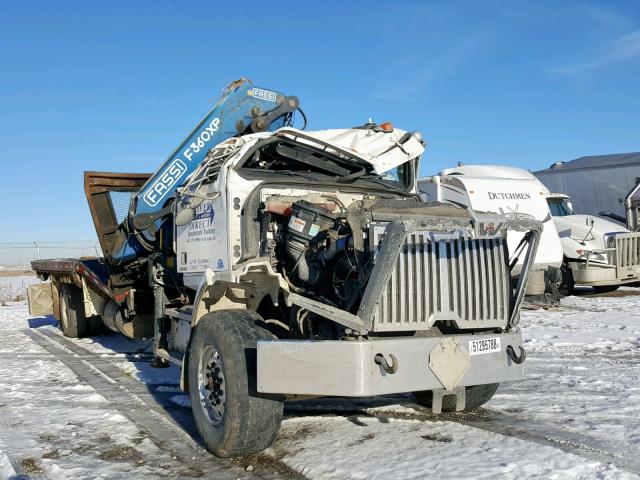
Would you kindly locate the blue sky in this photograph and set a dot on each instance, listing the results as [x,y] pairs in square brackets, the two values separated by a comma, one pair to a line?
[115,86]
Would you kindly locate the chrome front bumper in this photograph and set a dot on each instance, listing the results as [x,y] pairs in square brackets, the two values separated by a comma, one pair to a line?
[592,273]
[348,368]
[623,266]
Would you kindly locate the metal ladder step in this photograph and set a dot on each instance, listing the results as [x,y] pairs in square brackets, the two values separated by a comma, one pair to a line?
[169,356]
[183,314]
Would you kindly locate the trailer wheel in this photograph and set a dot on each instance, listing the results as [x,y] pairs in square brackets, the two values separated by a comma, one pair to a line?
[476,396]
[72,317]
[231,416]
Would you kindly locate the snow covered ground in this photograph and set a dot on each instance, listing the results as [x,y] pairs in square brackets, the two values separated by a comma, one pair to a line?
[576,416]
[74,414]
[13,288]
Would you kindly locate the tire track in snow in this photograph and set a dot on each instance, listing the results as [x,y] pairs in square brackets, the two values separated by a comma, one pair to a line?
[136,402]
[549,434]
[10,469]
[542,433]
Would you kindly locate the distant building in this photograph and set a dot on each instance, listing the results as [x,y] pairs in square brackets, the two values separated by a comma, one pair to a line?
[595,184]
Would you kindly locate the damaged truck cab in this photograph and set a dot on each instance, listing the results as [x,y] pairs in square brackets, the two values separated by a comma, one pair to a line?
[306,264]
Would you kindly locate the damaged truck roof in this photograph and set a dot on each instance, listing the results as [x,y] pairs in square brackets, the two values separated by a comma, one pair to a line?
[382,150]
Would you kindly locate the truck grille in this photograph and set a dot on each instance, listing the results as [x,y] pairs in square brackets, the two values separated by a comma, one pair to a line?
[627,258]
[463,280]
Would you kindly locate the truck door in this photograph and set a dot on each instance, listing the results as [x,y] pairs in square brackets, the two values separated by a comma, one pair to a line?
[109,197]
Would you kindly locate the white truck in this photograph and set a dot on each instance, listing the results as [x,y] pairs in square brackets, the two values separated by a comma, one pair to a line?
[597,252]
[292,263]
[509,191]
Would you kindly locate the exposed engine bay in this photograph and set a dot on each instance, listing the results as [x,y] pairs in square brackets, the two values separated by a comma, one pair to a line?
[326,249]
[315,249]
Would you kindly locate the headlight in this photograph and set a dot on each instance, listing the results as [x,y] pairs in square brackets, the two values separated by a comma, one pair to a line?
[610,239]
[593,257]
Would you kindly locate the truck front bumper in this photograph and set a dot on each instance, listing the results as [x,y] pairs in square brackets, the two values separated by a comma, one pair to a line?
[595,274]
[348,368]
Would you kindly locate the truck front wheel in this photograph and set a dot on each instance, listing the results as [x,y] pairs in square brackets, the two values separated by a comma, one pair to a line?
[231,416]
[73,321]
[475,396]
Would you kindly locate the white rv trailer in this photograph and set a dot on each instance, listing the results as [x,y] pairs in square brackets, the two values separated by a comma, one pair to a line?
[507,190]
[596,184]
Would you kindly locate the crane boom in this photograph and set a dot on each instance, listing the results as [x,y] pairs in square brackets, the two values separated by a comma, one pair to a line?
[242,109]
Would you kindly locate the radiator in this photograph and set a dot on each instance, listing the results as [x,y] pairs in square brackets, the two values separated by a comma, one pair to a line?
[466,281]
[627,255]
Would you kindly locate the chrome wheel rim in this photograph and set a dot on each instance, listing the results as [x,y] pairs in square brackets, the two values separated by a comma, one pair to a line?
[211,385]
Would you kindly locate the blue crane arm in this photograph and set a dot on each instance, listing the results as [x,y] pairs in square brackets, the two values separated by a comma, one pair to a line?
[242,109]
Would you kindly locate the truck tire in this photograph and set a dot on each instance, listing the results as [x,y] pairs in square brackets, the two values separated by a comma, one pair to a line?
[73,322]
[231,416]
[476,396]
[605,288]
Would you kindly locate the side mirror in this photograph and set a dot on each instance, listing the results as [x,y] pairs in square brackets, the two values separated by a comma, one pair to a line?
[184,216]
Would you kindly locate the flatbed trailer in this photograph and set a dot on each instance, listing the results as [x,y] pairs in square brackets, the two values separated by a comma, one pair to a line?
[76,271]
[75,289]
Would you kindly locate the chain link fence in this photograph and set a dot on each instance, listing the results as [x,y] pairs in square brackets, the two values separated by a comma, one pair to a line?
[20,254]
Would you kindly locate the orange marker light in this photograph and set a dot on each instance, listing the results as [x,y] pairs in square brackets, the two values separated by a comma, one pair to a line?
[387,127]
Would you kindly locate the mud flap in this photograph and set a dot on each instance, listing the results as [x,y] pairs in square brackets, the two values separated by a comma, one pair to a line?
[440,393]
[40,299]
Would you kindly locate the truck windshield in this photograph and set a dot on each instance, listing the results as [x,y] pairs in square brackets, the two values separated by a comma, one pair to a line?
[559,207]
[397,177]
